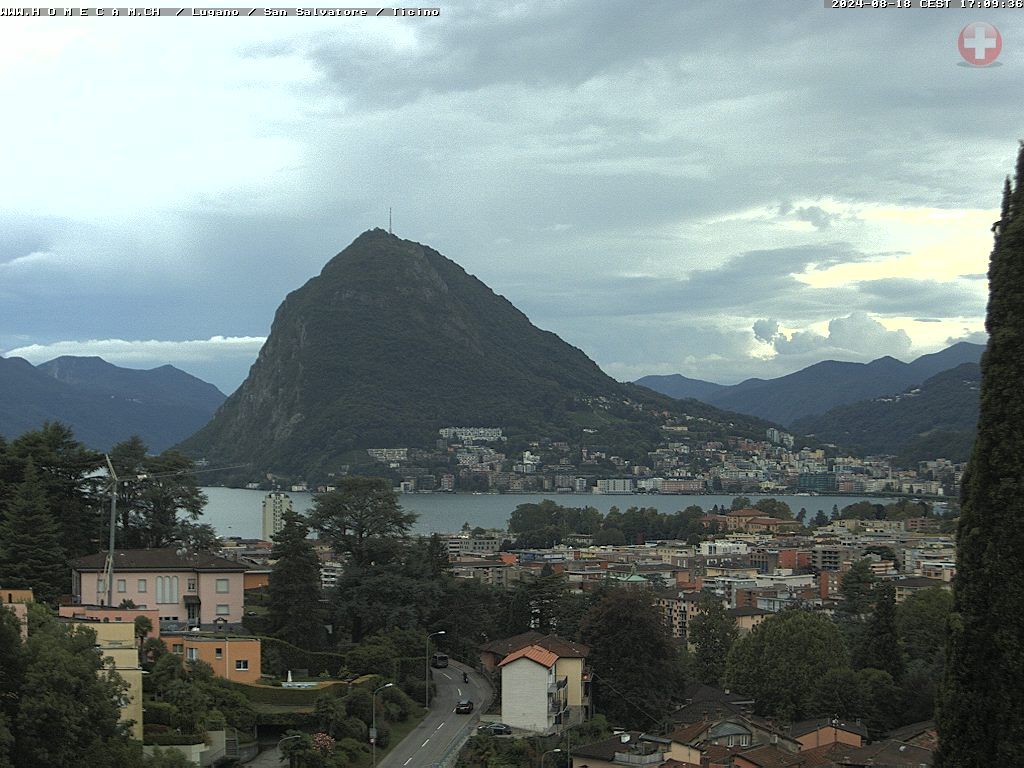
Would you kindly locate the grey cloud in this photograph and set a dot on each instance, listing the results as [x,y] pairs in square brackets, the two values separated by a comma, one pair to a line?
[766,330]
[911,296]
[974,337]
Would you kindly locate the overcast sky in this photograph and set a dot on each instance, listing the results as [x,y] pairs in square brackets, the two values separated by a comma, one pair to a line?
[718,189]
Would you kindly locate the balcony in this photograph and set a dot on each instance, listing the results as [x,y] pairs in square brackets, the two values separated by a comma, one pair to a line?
[558,684]
[632,758]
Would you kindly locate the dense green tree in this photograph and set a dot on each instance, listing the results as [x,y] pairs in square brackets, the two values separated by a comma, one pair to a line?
[712,633]
[921,622]
[294,611]
[775,508]
[546,594]
[820,519]
[67,474]
[782,661]
[159,500]
[632,687]
[11,673]
[67,713]
[878,646]
[857,588]
[362,520]
[30,552]
[981,712]
[740,502]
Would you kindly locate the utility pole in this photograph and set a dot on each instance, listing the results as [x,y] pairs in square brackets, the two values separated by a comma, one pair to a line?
[389,220]
[108,569]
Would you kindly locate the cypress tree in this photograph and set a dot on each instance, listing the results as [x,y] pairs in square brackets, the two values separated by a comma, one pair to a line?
[30,553]
[295,612]
[879,643]
[981,707]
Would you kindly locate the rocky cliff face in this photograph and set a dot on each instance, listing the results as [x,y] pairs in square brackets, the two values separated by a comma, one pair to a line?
[389,343]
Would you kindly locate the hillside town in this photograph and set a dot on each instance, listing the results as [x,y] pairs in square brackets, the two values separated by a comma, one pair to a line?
[475,459]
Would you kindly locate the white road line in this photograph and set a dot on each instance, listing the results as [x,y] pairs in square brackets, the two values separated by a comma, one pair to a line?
[439,727]
[424,743]
[407,761]
[446,675]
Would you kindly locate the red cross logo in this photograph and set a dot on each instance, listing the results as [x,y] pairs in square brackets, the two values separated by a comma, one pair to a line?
[980,43]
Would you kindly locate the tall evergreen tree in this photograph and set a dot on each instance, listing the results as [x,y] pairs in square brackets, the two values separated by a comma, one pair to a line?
[295,612]
[712,634]
[879,643]
[981,708]
[30,553]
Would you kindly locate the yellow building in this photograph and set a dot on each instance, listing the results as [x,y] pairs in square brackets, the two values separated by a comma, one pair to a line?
[16,601]
[117,644]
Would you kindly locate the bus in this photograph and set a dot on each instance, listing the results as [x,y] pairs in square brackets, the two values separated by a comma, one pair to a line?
[439,660]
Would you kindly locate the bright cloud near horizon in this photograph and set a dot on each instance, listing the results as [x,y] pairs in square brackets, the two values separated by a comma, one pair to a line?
[718,189]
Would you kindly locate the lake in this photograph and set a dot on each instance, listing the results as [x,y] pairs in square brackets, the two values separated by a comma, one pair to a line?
[237,511]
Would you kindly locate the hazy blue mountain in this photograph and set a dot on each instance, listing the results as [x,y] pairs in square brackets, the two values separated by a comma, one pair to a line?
[681,387]
[104,403]
[825,385]
[393,341]
[936,418]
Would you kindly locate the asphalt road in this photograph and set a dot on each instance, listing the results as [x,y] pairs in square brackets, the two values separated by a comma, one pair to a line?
[429,741]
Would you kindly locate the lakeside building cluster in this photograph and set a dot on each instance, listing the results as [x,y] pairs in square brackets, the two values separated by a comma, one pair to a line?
[478,459]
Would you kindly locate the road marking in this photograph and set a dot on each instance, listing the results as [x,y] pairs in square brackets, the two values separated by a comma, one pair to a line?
[460,691]
[446,675]
[439,727]
[407,761]
[424,744]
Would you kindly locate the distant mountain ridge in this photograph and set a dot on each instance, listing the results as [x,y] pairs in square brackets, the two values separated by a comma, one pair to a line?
[392,341]
[818,388]
[104,403]
[937,418]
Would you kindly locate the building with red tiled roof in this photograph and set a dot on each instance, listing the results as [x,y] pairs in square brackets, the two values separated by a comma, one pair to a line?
[544,683]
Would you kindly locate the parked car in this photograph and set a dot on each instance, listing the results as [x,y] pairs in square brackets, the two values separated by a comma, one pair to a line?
[464,707]
[495,729]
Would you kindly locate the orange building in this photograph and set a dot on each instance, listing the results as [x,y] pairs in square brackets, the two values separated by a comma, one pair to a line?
[232,657]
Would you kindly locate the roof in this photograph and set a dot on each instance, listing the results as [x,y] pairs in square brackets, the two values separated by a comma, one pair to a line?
[565,649]
[689,733]
[745,512]
[770,756]
[919,581]
[746,611]
[886,753]
[165,559]
[823,756]
[809,726]
[534,653]
[913,731]
[606,749]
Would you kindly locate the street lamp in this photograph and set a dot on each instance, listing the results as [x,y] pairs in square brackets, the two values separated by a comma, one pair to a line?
[373,728]
[546,754]
[291,758]
[426,662]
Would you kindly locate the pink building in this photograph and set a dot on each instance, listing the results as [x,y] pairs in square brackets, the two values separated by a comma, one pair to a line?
[193,588]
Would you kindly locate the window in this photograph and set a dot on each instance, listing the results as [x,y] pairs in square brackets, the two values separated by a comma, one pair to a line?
[193,654]
[242,665]
[223,610]
[191,584]
[178,648]
[223,586]
[122,585]
[142,585]
[218,653]
[101,585]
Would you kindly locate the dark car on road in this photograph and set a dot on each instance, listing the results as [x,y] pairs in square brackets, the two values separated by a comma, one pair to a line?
[464,707]
[495,729]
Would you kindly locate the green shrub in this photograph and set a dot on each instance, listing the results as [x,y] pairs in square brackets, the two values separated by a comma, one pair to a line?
[160,713]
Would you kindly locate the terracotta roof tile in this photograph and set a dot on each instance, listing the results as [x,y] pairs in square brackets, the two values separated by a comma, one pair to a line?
[535,653]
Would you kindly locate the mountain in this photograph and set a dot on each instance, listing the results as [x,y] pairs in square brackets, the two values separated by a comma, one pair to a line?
[393,341]
[681,387]
[103,403]
[828,384]
[937,418]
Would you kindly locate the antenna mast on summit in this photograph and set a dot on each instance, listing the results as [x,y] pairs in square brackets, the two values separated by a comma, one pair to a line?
[389,221]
